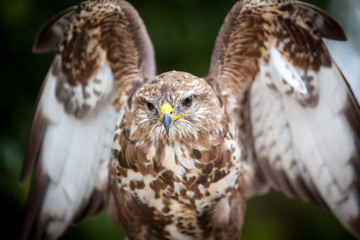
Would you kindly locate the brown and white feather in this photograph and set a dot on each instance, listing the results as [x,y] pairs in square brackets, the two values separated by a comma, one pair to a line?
[274,111]
[175,186]
[102,51]
[296,105]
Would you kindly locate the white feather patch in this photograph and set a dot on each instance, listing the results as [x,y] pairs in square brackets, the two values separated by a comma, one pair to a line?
[314,142]
[221,214]
[287,71]
[75,152]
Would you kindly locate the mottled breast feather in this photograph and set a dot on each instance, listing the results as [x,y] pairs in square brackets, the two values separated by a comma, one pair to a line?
[298,117]
[187,185]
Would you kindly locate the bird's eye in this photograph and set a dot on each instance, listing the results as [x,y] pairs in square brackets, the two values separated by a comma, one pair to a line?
[150,106]
[187,102]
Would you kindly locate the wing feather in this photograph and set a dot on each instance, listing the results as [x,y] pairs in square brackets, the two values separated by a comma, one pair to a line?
[304,120]
[100,56]
[325,24]
[50,34]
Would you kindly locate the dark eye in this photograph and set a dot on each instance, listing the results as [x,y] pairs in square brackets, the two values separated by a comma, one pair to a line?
[187,102]
[150,106]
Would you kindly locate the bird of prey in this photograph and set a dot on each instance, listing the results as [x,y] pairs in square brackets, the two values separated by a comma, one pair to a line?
[176,156]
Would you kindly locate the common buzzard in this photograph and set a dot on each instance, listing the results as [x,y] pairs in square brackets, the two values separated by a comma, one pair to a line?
[175,156]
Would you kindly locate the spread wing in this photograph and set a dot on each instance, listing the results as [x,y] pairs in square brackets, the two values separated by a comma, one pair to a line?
[102,53]
[295,110]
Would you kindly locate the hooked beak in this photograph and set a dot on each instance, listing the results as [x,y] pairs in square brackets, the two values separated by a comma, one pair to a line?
[167,117]
[167,121]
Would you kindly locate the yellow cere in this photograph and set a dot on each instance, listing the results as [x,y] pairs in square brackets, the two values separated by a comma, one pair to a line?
[167,108]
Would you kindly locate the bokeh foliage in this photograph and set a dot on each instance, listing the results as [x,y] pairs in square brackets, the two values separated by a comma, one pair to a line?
[183,33]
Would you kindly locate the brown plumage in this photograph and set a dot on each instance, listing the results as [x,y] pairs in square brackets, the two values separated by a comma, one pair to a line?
[186,152]
[165,180]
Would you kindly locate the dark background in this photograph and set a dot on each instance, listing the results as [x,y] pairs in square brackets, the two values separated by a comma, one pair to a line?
[183,33]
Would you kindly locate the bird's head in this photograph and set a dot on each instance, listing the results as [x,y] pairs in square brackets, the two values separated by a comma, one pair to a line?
[174,105]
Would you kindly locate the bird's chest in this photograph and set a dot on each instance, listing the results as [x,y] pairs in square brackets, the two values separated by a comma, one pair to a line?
[176,196]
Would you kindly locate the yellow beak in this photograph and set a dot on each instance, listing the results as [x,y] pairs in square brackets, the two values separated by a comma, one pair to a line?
[167,117]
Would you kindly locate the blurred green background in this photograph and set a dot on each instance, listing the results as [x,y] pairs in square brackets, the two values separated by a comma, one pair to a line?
[183,33]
